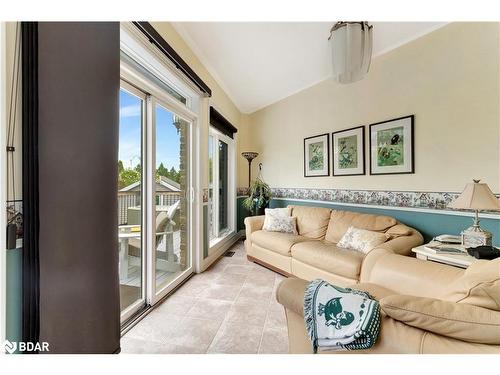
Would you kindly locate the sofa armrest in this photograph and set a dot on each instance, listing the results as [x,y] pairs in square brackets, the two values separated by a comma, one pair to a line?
[402,244]
[455,320]
[253,224]
[290,294]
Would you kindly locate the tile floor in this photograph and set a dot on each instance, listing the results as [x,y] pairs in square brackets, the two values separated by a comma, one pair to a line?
[230,308]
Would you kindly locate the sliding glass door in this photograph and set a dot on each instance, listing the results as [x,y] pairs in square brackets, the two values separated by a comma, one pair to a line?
[171,206]
[154,198]
[130,200]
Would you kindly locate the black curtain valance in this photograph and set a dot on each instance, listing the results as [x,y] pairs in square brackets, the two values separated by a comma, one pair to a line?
[220,123]
[156,39]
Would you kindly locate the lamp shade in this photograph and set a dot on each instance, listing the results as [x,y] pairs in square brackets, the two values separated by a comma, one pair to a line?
[351,44]
[476,196]
[249,155]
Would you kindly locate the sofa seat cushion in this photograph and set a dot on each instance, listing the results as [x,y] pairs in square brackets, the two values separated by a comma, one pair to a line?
[328,257]
[276,241]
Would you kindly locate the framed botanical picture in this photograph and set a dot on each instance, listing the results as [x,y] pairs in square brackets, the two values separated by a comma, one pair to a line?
[349,152]
[317,156]
[391,146]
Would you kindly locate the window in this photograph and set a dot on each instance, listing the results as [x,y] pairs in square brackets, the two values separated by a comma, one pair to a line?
[221,186]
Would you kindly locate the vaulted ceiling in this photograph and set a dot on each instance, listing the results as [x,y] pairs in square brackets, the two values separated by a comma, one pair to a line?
[260,63]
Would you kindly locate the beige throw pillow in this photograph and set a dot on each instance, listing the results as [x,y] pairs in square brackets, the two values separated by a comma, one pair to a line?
[275,212]
[279,220]
[361,240]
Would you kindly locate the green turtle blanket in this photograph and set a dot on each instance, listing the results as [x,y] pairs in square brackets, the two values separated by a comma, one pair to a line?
[340,318]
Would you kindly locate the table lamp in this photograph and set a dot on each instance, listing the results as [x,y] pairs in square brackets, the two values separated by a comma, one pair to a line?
[478,197]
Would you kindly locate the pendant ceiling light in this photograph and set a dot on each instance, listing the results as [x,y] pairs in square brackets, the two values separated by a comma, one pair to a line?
[351,44]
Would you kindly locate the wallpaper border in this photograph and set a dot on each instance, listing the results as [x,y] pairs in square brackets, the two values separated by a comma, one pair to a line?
[401,199]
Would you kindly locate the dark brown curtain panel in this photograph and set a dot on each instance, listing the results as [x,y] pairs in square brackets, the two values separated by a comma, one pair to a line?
[75,151]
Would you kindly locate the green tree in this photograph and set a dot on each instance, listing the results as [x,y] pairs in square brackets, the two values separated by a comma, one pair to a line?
[173,175]
[162,171]
[120,166]
[127,177]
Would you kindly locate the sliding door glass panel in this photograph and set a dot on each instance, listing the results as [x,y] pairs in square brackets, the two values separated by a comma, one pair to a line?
[129,201]
[212,230]
[171,186]
[223,187]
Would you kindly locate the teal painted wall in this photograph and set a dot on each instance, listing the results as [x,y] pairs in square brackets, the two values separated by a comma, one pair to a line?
[429,224]
[241,213]
[13,294]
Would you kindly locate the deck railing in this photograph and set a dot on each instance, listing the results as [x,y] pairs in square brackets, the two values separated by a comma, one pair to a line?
[133,199]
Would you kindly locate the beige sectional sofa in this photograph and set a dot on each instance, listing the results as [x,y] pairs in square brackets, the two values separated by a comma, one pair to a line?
[313,253]
[426,307]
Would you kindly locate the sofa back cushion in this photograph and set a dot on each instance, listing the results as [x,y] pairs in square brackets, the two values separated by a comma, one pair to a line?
[479,285]
[312,222]
[455,320]
[340,221]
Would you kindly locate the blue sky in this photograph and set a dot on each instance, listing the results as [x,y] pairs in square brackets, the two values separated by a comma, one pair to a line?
[167,139]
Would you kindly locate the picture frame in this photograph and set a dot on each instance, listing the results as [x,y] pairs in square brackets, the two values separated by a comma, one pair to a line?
[348,152]
[392,146]
[317,155]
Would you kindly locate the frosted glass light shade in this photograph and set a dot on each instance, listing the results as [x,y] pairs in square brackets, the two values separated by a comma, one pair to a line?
[351,44]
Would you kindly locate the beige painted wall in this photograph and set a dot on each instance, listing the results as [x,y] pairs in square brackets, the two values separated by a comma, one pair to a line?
[14,192]
[449,79]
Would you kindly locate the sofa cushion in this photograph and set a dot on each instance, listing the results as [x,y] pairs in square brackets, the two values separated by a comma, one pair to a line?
[272,213]
[328,257]
[276,241]
[455,320]
[312,222]
[361,239]
[340,221]
[479,285]
[281,224]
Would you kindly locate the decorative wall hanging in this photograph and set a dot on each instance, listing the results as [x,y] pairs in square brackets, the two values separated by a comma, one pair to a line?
[391,146]
[349,152]
[317,156]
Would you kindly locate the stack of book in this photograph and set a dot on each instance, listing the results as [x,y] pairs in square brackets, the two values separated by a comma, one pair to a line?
[440,248]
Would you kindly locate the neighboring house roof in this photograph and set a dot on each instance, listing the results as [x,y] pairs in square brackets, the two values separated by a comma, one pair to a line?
[164,185]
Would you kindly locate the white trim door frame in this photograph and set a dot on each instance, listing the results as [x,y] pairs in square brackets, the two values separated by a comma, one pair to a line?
[219,236]
[157,295]
[141,52]
[131,310]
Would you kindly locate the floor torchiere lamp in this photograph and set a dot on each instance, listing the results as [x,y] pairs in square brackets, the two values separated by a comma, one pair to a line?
[249,156]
